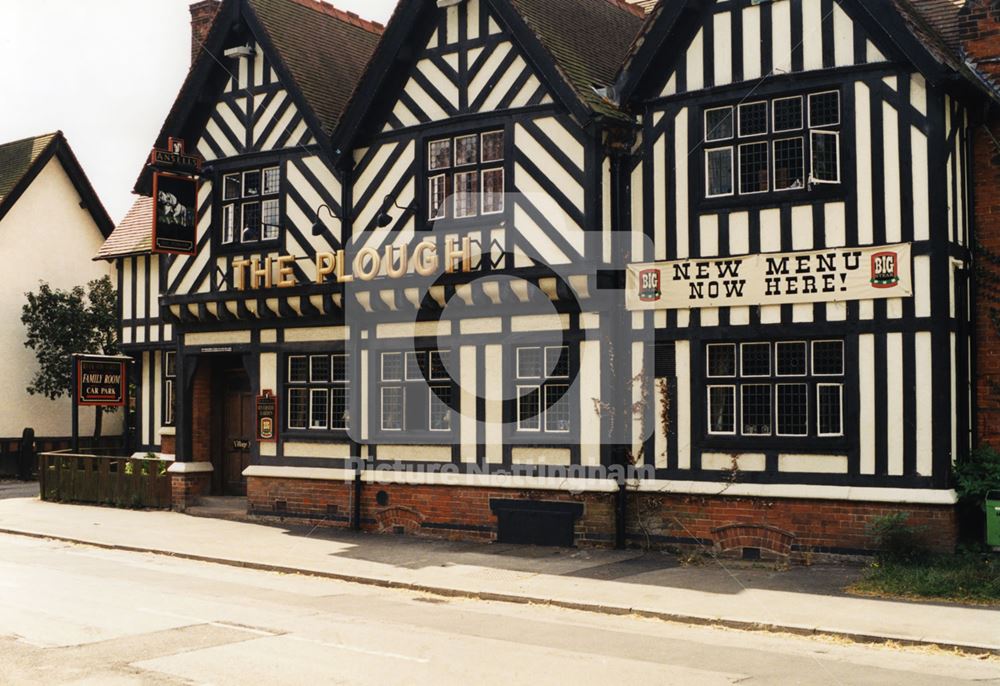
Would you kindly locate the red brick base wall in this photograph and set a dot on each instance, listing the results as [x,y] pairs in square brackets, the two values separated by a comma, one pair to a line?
[782,526]
[187,489]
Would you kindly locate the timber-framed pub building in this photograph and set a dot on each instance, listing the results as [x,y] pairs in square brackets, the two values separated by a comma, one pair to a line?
[569,271]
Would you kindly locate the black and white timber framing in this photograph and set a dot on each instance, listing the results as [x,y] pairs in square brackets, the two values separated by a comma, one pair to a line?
[577,185]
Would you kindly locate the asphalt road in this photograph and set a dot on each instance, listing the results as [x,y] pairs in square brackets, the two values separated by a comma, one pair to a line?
[79,615]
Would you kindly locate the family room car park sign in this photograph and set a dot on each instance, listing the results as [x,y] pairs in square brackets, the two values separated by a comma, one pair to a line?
[829,275]
[100,382]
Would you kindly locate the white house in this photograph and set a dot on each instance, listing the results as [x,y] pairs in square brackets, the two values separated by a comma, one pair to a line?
[51,225]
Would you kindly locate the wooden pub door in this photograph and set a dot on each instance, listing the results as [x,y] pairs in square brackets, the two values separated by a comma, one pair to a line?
[237,431]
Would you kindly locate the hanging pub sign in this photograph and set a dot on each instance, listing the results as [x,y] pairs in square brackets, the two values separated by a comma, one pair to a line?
[100,382]
[267,417]
[174,159]
[174,214]
[834,274]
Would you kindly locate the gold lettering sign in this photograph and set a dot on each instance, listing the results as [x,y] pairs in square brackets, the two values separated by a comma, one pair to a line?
[395,262]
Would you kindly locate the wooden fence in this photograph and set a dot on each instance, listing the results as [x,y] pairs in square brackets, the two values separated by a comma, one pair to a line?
[118,481]
[10,449]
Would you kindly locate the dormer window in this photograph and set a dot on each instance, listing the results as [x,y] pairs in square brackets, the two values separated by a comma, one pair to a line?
[465,176]
[772,146]
[251,206]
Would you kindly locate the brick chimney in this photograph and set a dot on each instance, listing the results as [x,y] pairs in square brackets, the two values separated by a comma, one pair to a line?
[979,30]
[203,13]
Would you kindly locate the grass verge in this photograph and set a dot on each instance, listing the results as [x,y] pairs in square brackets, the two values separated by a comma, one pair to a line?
[965,578]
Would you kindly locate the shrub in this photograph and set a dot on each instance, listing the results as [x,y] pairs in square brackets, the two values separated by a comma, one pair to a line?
[896,539]
[977,475]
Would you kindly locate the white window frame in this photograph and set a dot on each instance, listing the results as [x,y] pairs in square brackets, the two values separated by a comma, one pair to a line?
[774,164]
[774,119]
[228,224]
[442,212]
[772,404]
[812,358]
[243,183]
[243,225]
[708,361]
[777,413]
[288,371]
[263,181]
[454,151]
[739,121]
[840,390]
[444,356]
[770,360]
[546,367]
[739,169]
[812,159]
[482,137]
[266,227]
[402,367]
[239,193]
[402,417]
[840,107]
[539,416]
[312,379]
[732,171]
[303,389]
[732,114]
[517,362]
[456,194]
[430,156]
[431,399]
[545,406]
[777,365]
[708,401]
[482,192]
[326,420]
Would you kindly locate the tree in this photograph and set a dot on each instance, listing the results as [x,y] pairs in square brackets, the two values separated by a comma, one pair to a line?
[60,323]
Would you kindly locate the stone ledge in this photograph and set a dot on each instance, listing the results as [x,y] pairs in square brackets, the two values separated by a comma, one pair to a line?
[190,468]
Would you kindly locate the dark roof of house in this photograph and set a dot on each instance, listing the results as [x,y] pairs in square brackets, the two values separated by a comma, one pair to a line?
[325,49]
[942,16]
[587,39]
[134,235]
[22,160]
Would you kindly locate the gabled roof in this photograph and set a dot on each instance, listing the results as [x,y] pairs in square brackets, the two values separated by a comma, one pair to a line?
[926,32]
[575,44]
[134,235]
[318,51]
[21,161]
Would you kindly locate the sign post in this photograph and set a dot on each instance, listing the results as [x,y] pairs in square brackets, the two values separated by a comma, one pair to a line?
[97,381]
[175,199]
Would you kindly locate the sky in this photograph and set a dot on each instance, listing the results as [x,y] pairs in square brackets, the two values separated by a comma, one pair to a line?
[105,73]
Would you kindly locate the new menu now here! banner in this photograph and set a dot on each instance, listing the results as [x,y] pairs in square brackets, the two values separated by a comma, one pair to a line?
[830,275]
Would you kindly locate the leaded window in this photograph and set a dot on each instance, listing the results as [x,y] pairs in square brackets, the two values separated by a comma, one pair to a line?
[415,391]
[317,389]
[782,144]
[543,403]
[169,387]
[251,206]
[466,176]
[784,388]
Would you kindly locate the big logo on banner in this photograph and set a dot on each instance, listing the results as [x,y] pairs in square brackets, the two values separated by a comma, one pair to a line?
[773,279]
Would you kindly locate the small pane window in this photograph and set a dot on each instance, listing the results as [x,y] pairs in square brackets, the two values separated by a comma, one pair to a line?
[721,360]
[251,184]
[788,114]
[298,408]
[791,359]
[319,369]
[722,409]
[719,124]
[753,168]
[271,220]
[272,180]
[250,232]
[339,369]
[440,411]
[231,187]
[493,146]
[755,359]
[392,408]
[557,361]
[414,361]
[437,190]
[529,407]
[719,172]
[466,150]
[319,401]
[392,367]
[557,409]
[339,413]
[824,109]
[298,369]
[466,194]
[439,154]
[228,223]
[825,157]
[793,409]
[493,191]
[756,404]
[828,358]
[529,363]
[753,119]
[829,409]
[789,164]
[439,365]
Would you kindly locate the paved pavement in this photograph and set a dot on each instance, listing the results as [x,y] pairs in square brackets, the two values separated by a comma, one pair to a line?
[73,614]
[802,599]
